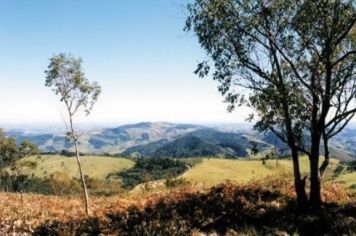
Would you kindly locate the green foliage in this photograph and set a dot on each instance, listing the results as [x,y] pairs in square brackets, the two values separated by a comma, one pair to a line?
[66,78]
[65,75]
[57,183]
[254,148]
[10,152]
[344,168]
[176,182]
[106,187]
[351,166]
[191,161]
[293,62]
[149,169]
[277,56]
[11,163]
[199,143]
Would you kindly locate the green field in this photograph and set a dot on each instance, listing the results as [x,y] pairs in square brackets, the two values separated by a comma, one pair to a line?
[209,171]
[94,166]
[214,171]
[348,179]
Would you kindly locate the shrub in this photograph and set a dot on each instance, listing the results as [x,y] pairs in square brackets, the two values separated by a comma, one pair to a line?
[176,182]
[150,169]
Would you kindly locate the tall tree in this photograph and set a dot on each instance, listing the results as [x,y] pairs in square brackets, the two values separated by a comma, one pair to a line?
[65,76]
[292,61]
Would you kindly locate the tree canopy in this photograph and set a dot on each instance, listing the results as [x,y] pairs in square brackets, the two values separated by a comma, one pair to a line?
[66,77]
[11,152]
[293,62]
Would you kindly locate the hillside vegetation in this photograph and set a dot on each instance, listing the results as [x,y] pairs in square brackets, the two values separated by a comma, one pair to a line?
[146,170]
[97,167]
[247,197]
[161,139]
[214,171]
[207,171]
[109,176]
[258,208]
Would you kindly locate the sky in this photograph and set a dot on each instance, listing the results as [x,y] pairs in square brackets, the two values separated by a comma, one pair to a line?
[135,49]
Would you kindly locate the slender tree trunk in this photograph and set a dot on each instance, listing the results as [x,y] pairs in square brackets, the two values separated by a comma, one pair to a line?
[315,185]
[86,198]
[1,177]
[326,161]
[85,190]
[299,183]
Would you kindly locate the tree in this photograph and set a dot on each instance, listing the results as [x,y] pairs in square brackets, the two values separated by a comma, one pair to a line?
[11,163]
[8,151]
[293,62]
[65,76]
[254,148]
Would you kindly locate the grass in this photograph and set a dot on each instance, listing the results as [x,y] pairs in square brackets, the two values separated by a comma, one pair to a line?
[347,180]
[94,166]
[263,204]
[208,171]
[263,207]
[214,171]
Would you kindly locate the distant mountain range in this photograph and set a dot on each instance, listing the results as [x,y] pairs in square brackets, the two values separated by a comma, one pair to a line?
[161,139]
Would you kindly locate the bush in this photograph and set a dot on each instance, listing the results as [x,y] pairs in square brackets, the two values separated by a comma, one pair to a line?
[58,183]
[176,182]
[226,209]
[150,169]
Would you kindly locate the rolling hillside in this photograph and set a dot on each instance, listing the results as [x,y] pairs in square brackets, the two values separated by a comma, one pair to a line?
[97,167]
[199,143]
[208,171]
[161,139]
[214,171]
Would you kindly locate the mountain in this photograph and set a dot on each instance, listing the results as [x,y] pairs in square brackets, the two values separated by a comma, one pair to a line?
[118,139]
[202,142]
[342,146]
[109,140]
[158,139]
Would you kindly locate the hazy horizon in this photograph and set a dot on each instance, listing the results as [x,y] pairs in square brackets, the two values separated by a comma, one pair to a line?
[144,64]
[138,53]
[60,125]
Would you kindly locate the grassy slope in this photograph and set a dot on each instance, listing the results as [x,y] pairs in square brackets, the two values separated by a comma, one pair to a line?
[347,179]
[93,166]
[214,171]
[210,171]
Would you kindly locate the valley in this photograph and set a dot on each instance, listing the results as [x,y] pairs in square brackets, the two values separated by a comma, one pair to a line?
[246,191]
[201,171]
[162,139]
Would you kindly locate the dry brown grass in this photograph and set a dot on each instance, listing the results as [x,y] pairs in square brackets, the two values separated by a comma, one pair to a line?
[24,214]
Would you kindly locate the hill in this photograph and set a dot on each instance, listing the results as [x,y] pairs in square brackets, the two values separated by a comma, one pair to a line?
[217,196]
[96,167]
[206,171]
[214,171]
[152,139]
[108,140]
[200,143]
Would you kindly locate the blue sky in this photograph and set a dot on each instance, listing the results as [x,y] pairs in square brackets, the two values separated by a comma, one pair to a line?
[136,49]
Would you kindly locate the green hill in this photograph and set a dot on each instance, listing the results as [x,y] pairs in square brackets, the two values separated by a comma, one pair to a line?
[214,171]
[208,171]
[200,143]
[97,167]
[153,139]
